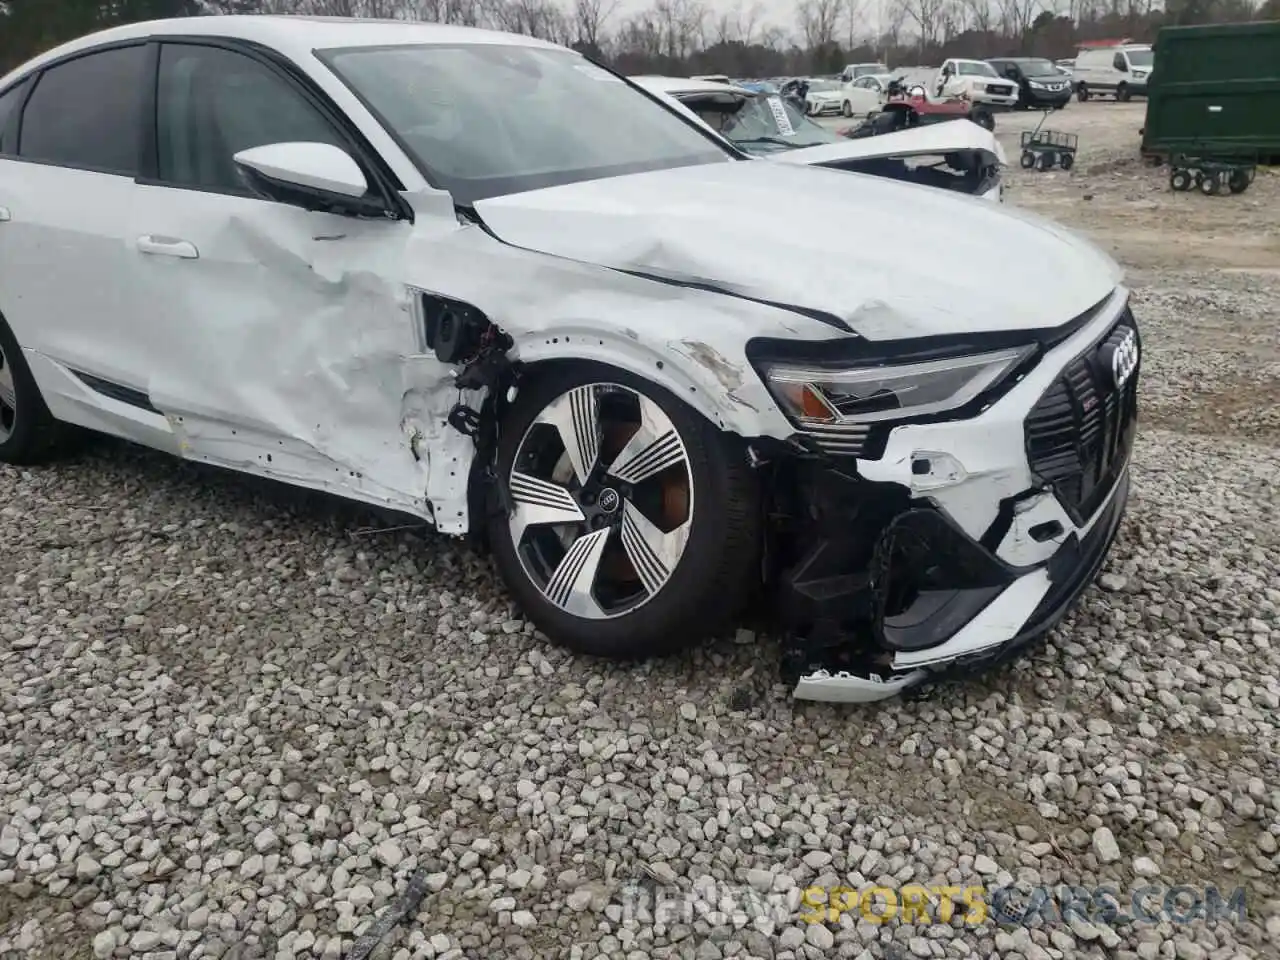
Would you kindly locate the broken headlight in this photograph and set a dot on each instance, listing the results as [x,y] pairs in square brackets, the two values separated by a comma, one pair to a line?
[814,396]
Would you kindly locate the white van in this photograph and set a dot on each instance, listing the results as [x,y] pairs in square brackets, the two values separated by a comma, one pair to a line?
[1120,70]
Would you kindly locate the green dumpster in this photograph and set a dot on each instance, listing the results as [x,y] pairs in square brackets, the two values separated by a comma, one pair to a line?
[1215,93]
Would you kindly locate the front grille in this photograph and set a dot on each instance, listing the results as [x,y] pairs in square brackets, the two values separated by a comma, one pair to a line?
[1079,434]
[1001,91]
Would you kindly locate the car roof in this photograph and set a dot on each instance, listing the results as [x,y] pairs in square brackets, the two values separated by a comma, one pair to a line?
[967,60]
[295,36]
[674,85]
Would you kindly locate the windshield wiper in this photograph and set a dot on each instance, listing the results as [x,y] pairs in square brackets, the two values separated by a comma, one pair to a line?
[776,140]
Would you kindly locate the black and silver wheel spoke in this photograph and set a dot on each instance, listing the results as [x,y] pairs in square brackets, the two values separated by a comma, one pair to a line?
[540,502]
[570,586]
[654,447]
[653,553]
[8,397]
[576,415]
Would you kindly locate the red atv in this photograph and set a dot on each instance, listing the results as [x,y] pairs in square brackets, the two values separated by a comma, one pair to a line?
[911,106]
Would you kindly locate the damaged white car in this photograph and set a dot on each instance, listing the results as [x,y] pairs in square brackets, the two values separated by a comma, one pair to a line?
[957,155]
[478,279]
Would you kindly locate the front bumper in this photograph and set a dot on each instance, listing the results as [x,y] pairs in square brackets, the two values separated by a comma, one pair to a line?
[980,553]
[821,108]
[1049,98]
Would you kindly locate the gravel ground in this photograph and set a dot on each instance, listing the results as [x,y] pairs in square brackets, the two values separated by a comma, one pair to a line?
[236,720]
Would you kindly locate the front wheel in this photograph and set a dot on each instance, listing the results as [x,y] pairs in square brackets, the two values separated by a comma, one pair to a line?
[28,432]
[1122,93]
[983,118]
[634,524]
[847,109]
[1027,160]
[1082,93]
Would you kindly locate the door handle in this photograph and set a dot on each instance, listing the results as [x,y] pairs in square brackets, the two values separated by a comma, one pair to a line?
[168,247]
[5,216]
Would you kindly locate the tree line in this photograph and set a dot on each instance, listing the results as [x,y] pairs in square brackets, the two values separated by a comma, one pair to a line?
[687,36]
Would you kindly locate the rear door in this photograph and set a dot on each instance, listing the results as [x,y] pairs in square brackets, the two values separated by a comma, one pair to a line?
[67,167]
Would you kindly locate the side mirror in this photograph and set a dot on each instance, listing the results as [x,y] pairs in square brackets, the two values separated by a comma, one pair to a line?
[314,176]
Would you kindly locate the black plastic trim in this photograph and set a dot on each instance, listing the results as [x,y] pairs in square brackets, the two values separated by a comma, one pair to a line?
[840,352]
[117,391]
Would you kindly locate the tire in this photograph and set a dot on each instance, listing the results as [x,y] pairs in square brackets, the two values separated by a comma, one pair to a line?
[1082,93]
[683,584]
[1122,93]
[28,432]
[1180,181]
[1239,181]
[1028,160]
[1060,106]
[1211,185]
[1067,160]
[983,118]
[846,109]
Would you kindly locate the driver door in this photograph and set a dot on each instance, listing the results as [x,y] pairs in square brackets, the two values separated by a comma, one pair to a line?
[264,324]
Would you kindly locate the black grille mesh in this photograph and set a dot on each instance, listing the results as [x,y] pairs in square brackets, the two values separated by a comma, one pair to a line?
[1080,432]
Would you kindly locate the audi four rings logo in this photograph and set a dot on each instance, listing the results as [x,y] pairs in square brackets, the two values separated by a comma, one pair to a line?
[1124,358]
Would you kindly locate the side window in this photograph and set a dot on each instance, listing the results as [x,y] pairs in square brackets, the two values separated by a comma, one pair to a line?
[1119,63]
[212,103]
[8,104]
[86,112]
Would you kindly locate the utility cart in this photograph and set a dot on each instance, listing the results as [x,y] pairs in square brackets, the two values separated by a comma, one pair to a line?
[1044,148]
[1211,177]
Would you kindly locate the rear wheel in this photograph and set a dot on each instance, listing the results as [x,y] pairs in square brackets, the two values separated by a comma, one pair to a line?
[1028,160]
[634,524]
[28,432]
[1239,181]
[1067,161]
[983,118]
[1180,181]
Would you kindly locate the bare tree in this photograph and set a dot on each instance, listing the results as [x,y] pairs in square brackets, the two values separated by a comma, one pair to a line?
[749,22]
[819,21]
[979,14]
[1016,17]
[927,15]
[589,19]
[853,22]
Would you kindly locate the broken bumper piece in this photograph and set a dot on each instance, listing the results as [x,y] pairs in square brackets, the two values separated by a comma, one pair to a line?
[999,610]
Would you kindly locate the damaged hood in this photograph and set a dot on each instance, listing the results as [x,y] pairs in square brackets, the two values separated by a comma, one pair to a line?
[932,138]
[891,259]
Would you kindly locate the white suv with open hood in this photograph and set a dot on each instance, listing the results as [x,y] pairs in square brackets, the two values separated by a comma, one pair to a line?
[478,279]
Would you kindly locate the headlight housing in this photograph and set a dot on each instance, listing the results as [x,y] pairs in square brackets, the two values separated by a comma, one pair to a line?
[814,397]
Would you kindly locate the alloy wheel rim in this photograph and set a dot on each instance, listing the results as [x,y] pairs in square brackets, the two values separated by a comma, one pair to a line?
[602,500]
[8,397]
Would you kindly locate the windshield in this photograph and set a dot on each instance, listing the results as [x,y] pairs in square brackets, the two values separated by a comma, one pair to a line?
[823,86]
[1140,58]
[1039,68]
[863,69]
[760,125]
[484,120]
[972,69]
